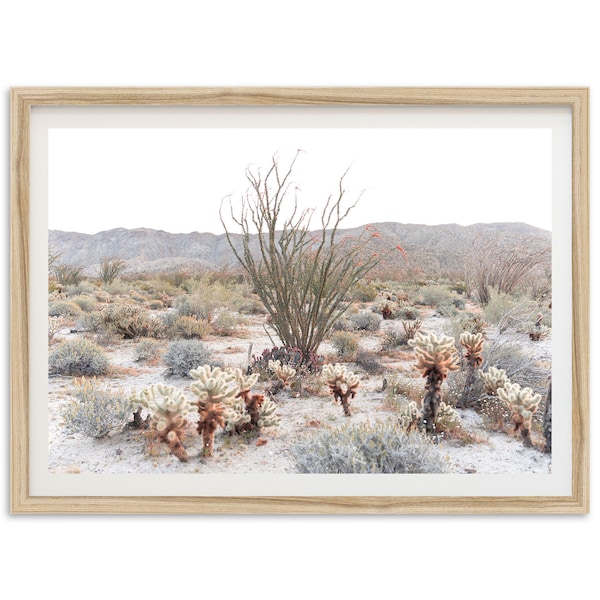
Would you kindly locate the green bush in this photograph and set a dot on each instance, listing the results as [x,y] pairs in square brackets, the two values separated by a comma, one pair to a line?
[146,349]
[366,321]
[96,411]
[433,295]
[130,321]
[226,323]
[190,328]
[78,357]
[85,303]
[408,313]
[364,292]
[184,355]
[345,344]
[367,448]
[63,308]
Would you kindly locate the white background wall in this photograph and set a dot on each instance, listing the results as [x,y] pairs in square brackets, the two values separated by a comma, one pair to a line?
[428,43]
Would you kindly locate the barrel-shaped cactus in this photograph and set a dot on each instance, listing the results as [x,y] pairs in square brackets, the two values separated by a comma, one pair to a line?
[523,403]
[436,358]
[342,384]
[168,408]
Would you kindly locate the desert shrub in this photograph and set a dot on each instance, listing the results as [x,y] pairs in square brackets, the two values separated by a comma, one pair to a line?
[530,368]
[446,310]
[116,287]
[250,306]
[368,448]
[509,312]
[343,324]
[226,323]
[189,328]
[468,322]
[404,387]
[156,305]
[433,295]
[392,339]
[111,268]
[81,288]
[85,303]
[146,349]
[63,308]
[345,344]
[368,362]
[54,326]
[366,321]
[78,357]
[130,321]
[96,410]
[408,313]
[204,300]
[68,274]
[184,355]
[364,292]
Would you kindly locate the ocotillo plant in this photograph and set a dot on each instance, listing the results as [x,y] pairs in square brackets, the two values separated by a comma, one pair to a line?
[168,407]
[523,403]
[342,384]
[216,389]
[301,275]
[473,345]
[436,357]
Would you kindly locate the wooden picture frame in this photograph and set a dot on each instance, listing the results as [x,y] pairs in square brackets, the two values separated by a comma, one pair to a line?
[23,100]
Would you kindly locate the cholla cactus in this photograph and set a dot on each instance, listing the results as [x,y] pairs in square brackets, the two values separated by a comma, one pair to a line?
[283,372]
[168,407]
[447,418]
[523,403]
[216,389]
[473,344]
[267,416]
[436,357]
[408,415]
[538,332]
[493,379]
[236,416]
[342,384]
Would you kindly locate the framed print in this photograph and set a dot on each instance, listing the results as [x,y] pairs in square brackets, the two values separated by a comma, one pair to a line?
[299,300]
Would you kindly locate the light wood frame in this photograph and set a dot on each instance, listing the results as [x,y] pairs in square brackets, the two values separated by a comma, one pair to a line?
[23,99]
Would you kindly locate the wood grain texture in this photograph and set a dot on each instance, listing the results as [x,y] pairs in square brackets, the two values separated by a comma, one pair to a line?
[23,99]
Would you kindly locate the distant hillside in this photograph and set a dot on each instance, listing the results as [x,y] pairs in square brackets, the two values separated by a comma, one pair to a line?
[431,249]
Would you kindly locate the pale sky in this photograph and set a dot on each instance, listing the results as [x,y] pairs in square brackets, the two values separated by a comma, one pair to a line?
[174,179]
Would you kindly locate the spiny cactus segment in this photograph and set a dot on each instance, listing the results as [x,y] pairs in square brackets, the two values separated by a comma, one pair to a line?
[493,379]
[283,372]
[216,389]
[168,407]
[436,357]
[523,402]
[473,345]
[342,384]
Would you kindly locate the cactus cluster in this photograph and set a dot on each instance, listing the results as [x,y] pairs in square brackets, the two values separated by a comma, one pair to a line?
[493,379]
[215,388]
[168,407]
[283,372]
[473,345]
[436,357]
[342,384]
[523,402]
[408,415]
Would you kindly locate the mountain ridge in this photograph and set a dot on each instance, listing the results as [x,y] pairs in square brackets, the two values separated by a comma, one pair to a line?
[430,248]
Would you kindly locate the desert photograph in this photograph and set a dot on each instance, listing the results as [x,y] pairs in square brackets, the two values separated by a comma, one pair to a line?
[299,301]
